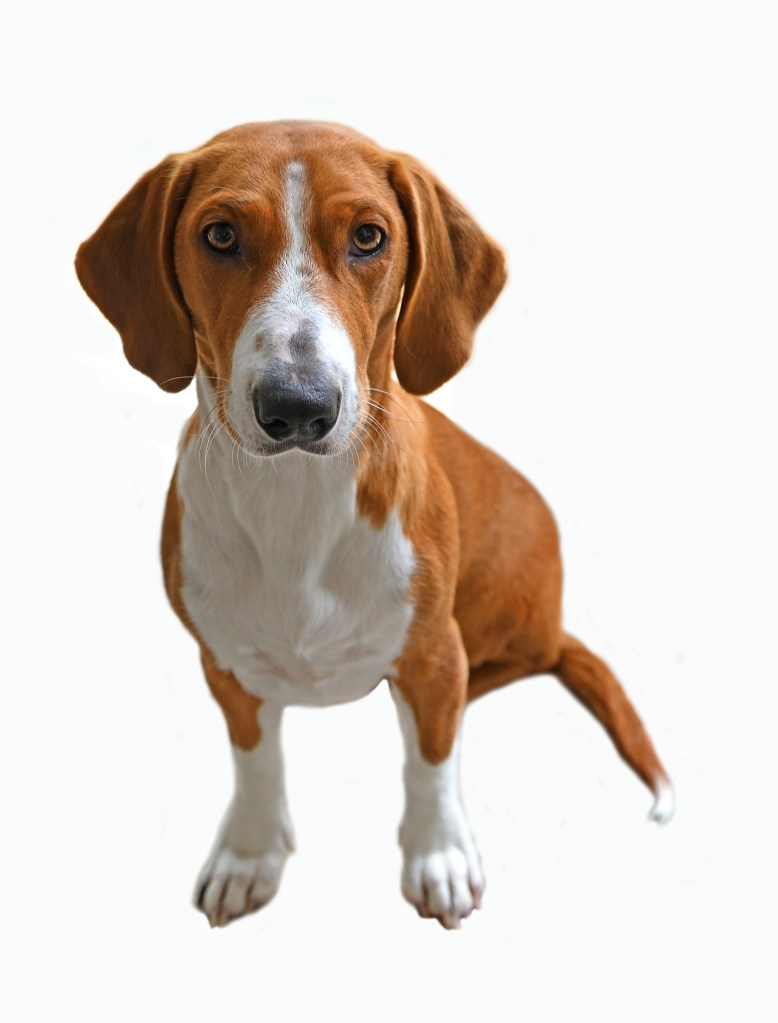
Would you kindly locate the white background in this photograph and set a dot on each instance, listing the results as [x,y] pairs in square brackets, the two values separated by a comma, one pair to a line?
[626,156]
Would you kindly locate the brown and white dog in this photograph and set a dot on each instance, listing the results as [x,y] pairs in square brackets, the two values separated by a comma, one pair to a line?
[325,528]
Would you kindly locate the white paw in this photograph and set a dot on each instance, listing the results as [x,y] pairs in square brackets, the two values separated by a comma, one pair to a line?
[443,879]
[230,886]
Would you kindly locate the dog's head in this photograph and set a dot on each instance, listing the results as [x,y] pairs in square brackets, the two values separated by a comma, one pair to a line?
[291,262]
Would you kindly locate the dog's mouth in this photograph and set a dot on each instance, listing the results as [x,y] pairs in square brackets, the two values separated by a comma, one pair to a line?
[310,447]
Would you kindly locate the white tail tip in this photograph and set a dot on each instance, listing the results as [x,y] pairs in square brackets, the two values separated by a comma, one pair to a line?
[664,805]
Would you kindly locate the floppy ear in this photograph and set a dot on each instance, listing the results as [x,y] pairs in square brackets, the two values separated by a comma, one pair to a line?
[127,269]
[455,272]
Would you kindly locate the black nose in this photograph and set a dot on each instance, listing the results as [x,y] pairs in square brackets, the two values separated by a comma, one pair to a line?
[296,411]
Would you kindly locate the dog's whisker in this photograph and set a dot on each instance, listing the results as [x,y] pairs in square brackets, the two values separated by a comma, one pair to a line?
[367,425]
[233,451]
[380,426]
[351,450]
[207,450]
[208,424]
[378,390]
[204,433]
[369,435]
[221,425]
[381,429]
[387,413]
[359,440]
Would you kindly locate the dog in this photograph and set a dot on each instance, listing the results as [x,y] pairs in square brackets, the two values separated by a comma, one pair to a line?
[326,529]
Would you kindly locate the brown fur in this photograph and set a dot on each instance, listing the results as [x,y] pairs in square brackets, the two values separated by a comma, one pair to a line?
[487,589]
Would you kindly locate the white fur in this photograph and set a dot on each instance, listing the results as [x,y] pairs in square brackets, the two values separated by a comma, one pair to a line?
[296,304]
[304,601]
[294,592]
[442,875]
[664,804]
[243,870]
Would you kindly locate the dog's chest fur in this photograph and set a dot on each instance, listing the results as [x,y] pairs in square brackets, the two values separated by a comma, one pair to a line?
[295,593]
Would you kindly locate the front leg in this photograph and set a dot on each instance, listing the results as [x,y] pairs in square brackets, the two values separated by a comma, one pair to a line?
[442,874]
[243,871]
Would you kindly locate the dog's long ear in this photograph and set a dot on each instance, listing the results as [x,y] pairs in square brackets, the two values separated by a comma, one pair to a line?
[455,272]
[127,269]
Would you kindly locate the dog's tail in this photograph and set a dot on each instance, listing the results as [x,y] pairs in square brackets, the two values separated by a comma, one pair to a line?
[592,682]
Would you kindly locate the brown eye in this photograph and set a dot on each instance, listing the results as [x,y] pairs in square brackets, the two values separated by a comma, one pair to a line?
[221,237]
[366,240]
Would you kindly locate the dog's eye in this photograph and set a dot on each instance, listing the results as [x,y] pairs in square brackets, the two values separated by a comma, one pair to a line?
[221,237]
[367,239]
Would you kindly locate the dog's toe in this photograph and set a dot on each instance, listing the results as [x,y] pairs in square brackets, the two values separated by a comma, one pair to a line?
[230,886]
[446,884]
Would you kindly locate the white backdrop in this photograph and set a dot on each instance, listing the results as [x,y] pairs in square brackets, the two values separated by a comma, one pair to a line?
[626,157]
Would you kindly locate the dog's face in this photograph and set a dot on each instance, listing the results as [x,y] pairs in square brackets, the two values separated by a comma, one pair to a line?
[290,262]
[292,273]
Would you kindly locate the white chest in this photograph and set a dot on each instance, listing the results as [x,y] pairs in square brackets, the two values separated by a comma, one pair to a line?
[296,594]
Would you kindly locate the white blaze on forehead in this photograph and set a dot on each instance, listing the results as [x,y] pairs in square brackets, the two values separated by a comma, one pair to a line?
[296,272]
[294,211]
[296,308]
[295,298]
